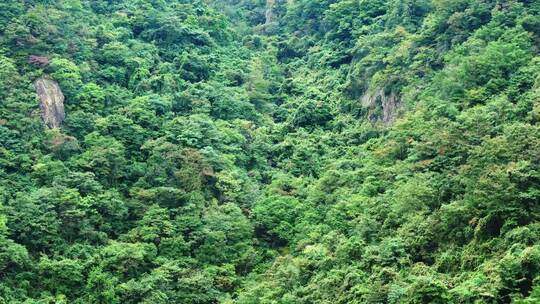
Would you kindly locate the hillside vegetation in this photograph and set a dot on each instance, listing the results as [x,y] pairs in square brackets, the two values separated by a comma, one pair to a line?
[273,152]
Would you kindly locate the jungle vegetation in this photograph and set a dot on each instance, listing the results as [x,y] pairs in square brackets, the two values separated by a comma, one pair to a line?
[273,152]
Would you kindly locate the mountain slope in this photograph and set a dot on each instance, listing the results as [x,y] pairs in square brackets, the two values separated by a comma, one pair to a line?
[352,151]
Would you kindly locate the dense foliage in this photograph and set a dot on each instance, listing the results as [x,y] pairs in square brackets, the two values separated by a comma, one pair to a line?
[247,151]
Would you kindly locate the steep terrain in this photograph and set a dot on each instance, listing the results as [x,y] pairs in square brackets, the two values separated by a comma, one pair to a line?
[254,151]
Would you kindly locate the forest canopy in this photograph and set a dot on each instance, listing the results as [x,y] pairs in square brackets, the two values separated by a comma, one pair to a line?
[273,152]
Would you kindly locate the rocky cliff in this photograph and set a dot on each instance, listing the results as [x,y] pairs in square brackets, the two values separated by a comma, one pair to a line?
[387,104]
[51,102]
[269,13]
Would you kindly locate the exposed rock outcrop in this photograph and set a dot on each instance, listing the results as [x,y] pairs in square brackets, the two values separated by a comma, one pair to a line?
[269,13]
[51,102]
[388,103]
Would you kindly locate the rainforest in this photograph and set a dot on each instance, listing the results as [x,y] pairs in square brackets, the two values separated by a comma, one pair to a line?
[269,151]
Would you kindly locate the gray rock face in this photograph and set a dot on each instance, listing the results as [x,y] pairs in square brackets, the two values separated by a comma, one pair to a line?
[269,14]
[389,104]
[51,102]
